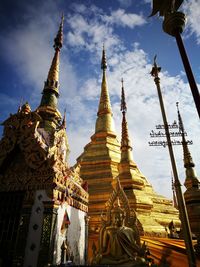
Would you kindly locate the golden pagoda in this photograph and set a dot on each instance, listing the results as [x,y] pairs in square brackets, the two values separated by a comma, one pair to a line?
[43,205]
[104,158]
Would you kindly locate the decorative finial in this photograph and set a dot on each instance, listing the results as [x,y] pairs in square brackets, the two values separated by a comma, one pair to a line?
[123,101]
[125,142]
[181,127]
[63,125]
[175,204]
[180,122]
[103,61]
[20,105]
[104,121]
[58,41]
[155,69]
[25,109]
[188,162]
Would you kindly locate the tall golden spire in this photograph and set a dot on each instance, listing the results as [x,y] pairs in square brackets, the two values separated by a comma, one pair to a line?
[50,94]
[191,178]
[52,82]
[126,148]
[104,121]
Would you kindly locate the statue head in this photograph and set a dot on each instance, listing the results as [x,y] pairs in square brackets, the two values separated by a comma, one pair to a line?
[117,215]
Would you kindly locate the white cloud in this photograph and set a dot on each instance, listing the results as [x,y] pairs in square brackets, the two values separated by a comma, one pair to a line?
[192,11]
[125,3]
[79,8]
[121,18]
[90,34]
[89,28]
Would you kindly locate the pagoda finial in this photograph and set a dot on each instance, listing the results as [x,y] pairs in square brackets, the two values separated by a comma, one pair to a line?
[103,60]
[48,105]
[125,142]
[123,102]
[104,121]
[181,126]
[191,179]
[188,162]
[53,74]
[58,41]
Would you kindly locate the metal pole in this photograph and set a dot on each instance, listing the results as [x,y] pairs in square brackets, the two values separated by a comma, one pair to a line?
[173,25]
[177,184]
[188,70]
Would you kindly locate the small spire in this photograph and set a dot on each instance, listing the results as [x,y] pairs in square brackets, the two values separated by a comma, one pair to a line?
[58,41]
[175,204]
[63,125]
[20,105]
[180,122]
[155,69]
[123,102]
[125,142]
[191,179]
[103,61]
[188,162]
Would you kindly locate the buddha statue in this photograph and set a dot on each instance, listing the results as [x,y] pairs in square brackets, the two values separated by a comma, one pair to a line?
[119,244]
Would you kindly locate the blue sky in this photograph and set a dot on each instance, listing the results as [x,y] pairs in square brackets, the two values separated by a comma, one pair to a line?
[131,40]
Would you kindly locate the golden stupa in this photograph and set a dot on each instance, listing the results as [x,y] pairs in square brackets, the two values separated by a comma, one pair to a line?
[104,158]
